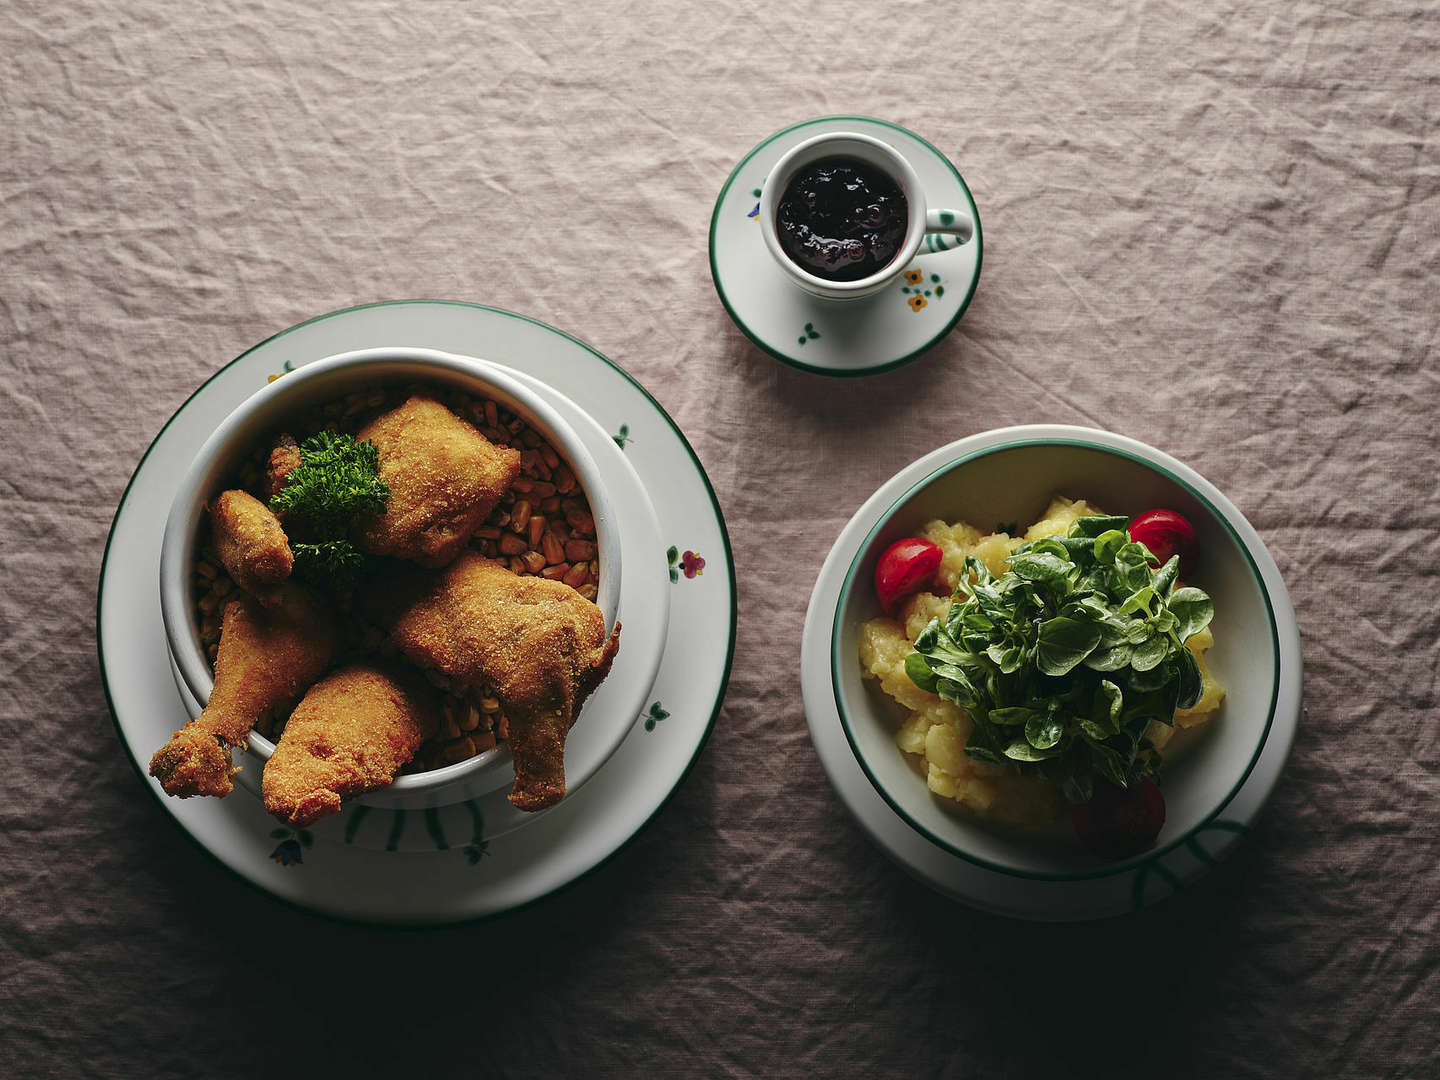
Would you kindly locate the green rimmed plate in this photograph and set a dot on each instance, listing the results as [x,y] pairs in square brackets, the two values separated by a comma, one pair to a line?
[1219,786]
[358,867]
[851,337]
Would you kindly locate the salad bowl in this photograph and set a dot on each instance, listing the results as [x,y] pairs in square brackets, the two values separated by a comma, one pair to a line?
[1010,475]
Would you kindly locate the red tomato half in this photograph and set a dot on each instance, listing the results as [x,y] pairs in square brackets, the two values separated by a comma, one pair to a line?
[1120,822]
[1166,533]
[906,567]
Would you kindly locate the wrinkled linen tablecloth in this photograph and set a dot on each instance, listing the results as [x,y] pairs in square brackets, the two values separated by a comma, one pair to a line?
[1212,227]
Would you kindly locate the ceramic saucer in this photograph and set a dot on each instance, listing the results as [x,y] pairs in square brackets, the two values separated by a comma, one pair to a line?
[476,861]
[851,337]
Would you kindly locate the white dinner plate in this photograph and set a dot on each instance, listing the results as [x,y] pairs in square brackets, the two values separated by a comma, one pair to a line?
[470,860]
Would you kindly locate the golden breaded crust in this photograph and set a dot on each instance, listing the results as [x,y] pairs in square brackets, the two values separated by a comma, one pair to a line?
[284,459]
[351,733]
[539,643]
[444,479]
[251,543]
[267,656]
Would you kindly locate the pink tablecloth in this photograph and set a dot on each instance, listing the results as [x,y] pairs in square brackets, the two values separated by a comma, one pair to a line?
[1212,227]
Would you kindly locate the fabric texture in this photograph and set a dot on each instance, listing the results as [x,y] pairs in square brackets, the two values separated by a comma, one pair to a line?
[1212,227]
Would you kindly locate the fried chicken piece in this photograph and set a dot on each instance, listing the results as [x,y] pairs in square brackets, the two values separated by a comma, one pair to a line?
[252,544]
[444,479]
[267,656]
[539,643]
[284,460]
[350,734]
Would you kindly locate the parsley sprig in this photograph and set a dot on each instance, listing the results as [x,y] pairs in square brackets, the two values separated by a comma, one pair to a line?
[1064,660]
[337,480]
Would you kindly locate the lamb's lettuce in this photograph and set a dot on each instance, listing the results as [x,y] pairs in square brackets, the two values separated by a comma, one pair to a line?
[1064,660]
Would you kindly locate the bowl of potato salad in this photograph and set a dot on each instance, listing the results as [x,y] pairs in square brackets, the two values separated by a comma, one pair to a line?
[1057,657]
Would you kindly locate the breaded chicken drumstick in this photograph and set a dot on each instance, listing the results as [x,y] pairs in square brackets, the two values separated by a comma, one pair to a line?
[267,656]
[539,643]
[252,544]
[351,733]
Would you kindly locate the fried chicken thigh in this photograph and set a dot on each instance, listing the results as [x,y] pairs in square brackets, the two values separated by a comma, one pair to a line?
[252,544]
[350,734]
[444,479]
[539,643]
[267,656]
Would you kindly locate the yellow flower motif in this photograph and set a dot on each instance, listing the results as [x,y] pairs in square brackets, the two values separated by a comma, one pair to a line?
[912,277]
[916,303]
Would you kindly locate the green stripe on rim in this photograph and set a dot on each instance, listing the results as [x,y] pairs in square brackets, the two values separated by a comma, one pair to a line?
[436,829]
[358,813]
[1160,870]
[1137,861]
[141,771]
[817,369]
[397,829]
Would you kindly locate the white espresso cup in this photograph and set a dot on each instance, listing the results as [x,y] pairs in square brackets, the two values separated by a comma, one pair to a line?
[942,224]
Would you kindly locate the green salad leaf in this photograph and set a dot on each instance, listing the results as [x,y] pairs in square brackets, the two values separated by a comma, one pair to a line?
[1064,660]
[337,480]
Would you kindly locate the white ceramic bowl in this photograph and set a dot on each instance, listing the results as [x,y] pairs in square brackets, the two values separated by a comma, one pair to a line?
[1011,477]
[326,380]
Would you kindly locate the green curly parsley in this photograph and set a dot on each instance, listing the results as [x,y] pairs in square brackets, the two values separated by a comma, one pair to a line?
[337,480]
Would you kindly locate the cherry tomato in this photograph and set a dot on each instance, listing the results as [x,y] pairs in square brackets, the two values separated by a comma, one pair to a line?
[906,567]
[1119,822]
[1166,533]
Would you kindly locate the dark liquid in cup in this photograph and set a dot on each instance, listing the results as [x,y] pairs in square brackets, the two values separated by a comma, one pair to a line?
[841,219]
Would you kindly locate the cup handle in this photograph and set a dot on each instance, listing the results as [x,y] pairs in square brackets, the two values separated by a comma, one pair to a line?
[942,225]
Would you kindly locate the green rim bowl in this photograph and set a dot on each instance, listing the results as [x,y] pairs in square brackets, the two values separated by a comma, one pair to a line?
[328,379]
[1011,475]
